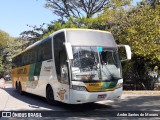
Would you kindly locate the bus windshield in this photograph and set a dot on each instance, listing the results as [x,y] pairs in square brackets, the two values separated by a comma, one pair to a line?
[95,64]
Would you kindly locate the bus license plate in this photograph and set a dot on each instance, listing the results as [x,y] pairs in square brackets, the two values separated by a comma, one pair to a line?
[102,96]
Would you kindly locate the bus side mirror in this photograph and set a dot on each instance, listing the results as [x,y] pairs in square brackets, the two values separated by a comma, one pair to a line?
[69,50]
[124,52]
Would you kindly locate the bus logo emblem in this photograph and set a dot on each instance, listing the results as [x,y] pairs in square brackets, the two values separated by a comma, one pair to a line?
[61,94]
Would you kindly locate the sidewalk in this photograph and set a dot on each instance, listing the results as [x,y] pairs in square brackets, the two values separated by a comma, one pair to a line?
[143,92]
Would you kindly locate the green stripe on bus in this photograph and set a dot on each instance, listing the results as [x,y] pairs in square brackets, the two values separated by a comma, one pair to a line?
[35,70]
[108,85]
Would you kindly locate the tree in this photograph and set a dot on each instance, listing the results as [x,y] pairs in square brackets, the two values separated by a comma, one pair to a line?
[75,17]
[33,35]
[80,8]
[9,46]
[153,3]
[77,9]
[3,39]
[139,27]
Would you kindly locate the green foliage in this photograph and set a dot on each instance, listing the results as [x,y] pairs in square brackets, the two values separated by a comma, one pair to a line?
[139,27]
[142,32]
[1,67]
[7,44]
[3,38]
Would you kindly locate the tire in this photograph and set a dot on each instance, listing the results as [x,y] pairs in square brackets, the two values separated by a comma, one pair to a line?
[50,96]
[16,86]
[20,89]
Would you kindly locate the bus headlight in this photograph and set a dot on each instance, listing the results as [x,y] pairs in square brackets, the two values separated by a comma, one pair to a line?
[119,85]
[79,88]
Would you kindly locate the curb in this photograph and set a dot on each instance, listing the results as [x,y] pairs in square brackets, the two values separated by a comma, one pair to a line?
[142,92]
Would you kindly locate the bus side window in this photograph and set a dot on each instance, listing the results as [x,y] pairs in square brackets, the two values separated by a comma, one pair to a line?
[29,57]
[47,50]
[35,57]
[27,60]
[19,60]
[60,57]
[40,53]
[63,66]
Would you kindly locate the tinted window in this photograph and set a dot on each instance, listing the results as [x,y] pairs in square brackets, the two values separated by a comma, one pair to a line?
[36,54]
[44,51]
[60,58]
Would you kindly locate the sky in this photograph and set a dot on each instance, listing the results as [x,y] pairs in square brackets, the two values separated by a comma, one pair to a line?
[16,14]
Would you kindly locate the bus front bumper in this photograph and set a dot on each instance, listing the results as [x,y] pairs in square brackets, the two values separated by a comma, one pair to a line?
[79,97]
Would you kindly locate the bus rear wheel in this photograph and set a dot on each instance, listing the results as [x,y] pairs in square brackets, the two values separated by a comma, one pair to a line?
[50,96]
[20,89]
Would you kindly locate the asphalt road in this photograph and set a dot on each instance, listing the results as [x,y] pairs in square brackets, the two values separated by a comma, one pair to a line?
[11,100]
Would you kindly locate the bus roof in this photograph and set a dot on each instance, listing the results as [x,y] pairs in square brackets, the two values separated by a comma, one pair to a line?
[80,29]
[89,37]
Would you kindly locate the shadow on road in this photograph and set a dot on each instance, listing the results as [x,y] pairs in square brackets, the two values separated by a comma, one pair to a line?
[37,101]
[129,103]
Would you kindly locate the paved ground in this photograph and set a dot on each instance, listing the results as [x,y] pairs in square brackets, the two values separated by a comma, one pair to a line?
[143,92]
[130,101]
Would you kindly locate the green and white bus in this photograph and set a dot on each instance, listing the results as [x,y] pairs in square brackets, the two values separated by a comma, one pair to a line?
[72,66]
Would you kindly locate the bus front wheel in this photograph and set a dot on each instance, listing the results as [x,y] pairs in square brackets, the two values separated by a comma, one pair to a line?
[50,96]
